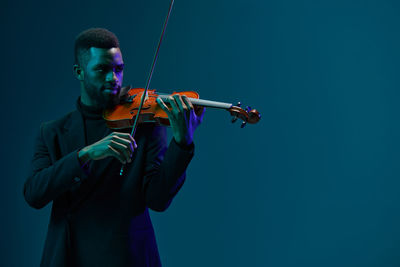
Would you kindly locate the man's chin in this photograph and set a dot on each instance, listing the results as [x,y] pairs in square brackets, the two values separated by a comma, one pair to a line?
[110,101]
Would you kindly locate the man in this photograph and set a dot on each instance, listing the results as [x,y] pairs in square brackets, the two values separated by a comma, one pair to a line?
[98,217]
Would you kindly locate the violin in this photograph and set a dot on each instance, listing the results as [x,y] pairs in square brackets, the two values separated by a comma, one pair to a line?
[140,106]
[122,116]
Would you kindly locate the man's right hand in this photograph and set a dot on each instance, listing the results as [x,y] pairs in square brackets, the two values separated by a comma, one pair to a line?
[117,145]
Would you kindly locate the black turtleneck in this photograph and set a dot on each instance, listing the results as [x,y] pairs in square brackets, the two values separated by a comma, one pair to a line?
[94,124]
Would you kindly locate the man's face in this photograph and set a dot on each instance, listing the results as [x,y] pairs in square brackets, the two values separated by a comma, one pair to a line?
[103,76]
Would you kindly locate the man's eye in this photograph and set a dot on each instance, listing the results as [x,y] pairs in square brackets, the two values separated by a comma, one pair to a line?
[119,69]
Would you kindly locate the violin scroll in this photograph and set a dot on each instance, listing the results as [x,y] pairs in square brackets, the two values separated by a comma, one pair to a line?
[247,115]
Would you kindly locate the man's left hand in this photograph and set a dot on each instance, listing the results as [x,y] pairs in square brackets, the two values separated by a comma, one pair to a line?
[183,117]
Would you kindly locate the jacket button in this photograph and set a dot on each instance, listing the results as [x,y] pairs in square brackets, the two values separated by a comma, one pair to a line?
[77,179]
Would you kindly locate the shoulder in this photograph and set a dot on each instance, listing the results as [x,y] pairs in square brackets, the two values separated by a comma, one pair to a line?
[58,124]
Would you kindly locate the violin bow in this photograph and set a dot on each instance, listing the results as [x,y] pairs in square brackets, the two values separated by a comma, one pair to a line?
[150,76]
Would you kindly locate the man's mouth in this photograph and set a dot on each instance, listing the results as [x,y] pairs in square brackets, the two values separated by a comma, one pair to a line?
[111,90]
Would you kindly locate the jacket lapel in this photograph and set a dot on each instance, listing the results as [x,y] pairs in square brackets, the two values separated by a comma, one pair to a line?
[74,133]
[74,138]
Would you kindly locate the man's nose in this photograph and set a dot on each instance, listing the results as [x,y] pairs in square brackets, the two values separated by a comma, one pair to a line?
[111,76]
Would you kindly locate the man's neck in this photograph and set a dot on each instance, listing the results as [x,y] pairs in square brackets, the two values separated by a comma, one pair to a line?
[86,100]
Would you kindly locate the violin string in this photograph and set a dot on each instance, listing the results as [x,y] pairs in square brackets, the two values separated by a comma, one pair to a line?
[150,75]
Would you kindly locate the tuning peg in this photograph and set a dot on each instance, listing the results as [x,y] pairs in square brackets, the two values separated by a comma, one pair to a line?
[248,108]
[238,104]
[234,118]
[243,124]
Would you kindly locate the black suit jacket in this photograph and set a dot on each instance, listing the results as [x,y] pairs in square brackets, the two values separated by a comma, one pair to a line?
[99,218]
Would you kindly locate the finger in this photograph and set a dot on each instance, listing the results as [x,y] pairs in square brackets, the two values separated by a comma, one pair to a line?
[187,102]
[126,141]
[122,149]
[124,135]
[181,105]
[116,154]
[128,137]
[173,104]
[163,106]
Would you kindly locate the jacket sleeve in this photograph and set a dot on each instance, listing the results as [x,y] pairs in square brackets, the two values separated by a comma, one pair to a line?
[49,178]
[165,169]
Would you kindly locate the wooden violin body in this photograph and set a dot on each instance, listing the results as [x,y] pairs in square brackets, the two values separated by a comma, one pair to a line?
[123,115]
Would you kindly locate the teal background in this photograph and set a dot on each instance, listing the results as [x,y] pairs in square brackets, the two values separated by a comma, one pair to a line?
[315,183]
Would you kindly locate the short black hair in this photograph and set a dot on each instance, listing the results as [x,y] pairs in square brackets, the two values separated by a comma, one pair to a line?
[93,37]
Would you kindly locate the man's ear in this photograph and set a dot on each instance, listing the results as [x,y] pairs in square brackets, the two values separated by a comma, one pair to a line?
[78,72]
